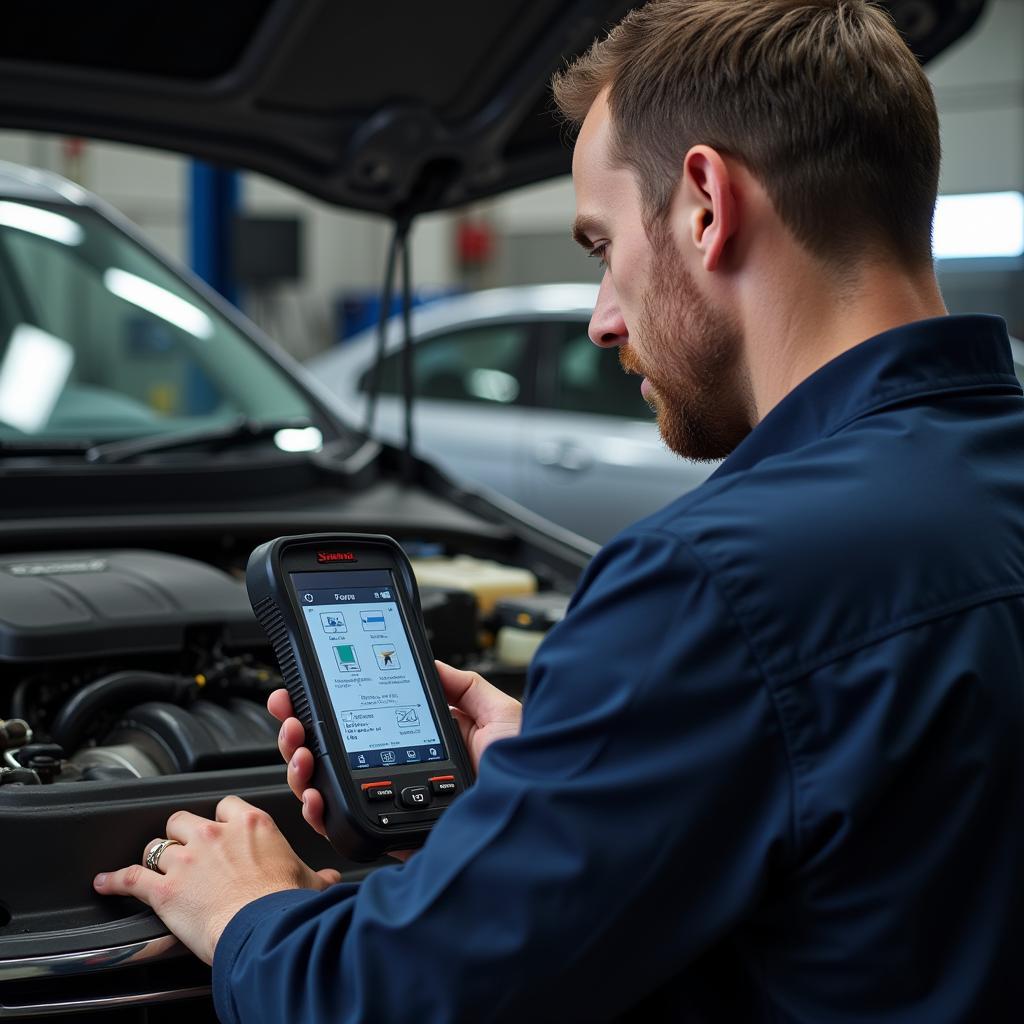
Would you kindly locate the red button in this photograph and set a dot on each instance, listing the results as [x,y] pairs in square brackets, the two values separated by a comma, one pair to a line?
[378,791]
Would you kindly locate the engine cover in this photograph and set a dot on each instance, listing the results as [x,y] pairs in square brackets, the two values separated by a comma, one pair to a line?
[85,603]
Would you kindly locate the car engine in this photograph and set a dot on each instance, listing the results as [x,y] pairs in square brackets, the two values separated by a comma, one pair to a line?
[129,664]
[132,664]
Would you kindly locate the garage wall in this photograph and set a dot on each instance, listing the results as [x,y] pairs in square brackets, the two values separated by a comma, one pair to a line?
[535,246]
[146,185]
[342,250]
[979,84]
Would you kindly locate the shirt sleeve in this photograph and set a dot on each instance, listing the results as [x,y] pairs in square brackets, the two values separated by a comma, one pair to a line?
[631,824]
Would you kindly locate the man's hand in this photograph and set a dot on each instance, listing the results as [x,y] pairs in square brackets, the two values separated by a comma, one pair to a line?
[484,714]
[219,867]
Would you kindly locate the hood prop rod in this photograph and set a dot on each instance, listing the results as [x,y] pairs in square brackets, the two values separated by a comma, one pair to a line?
[398,249]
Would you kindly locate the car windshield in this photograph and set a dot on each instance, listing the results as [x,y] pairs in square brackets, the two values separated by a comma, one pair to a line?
[99,340]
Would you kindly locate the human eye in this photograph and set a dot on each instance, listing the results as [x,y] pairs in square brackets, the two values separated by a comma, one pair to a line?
[599,252]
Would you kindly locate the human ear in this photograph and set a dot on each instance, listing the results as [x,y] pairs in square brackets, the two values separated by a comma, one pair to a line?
[713,217]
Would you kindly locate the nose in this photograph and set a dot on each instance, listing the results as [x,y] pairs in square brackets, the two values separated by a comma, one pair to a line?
[607,327]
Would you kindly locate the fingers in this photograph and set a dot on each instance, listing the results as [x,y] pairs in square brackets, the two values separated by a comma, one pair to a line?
[474,696]
[279,704]
[313,810]
[186,826]
[465,723]
[300,771]
[171,852]
[456,682]
[299,758]
[290,741]
[329,875]
[234,808]
[134,881]
[229,807]
[290,738]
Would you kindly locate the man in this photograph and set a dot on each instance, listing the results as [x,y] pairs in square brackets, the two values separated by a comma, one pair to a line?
[771,766]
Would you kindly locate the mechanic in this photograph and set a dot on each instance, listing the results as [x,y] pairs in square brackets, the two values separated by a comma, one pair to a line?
[771,766]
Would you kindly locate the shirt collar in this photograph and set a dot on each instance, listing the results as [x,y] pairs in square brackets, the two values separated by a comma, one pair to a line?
[946,354]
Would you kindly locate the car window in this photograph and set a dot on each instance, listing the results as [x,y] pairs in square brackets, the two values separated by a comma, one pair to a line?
[589,379]
[476,364]
[100,340]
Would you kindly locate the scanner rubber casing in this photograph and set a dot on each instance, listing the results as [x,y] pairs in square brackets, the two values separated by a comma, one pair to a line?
[351,823]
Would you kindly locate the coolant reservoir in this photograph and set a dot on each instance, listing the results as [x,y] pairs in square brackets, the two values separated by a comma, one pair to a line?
[515,648]
[523,623]
[488,581]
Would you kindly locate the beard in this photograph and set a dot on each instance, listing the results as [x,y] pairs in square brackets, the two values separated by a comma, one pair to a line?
[694,362]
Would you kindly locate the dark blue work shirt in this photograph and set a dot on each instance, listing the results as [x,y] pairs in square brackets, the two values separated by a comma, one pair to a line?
[772,764]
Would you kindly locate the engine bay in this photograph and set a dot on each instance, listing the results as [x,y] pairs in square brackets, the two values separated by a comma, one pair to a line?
[133,684]
[128,664]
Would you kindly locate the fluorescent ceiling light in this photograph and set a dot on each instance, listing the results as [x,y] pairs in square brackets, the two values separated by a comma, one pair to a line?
[989,225]
[158,301]
[44,223]
[299,439]
[35,368]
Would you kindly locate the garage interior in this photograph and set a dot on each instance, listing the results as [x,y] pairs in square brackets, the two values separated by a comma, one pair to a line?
[477,425]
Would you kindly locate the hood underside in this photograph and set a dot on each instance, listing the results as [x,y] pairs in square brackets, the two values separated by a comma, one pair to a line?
[393,108]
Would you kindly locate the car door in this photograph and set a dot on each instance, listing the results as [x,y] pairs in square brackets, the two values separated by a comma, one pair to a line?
[595,461]
[473,388]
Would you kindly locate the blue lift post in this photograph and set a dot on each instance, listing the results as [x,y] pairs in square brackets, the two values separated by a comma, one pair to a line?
[214,198]
[214,194]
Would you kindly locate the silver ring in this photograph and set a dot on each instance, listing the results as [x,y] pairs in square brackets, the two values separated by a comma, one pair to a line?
[156,851]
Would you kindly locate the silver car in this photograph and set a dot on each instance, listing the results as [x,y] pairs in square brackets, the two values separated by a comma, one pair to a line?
[511,393]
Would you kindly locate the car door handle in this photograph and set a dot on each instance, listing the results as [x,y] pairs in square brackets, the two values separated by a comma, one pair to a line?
[565,455]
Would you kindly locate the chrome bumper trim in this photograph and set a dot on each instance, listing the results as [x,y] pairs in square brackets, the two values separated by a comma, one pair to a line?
[28,1010]
[87,961]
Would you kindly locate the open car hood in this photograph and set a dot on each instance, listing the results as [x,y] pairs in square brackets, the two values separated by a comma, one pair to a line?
[386,107]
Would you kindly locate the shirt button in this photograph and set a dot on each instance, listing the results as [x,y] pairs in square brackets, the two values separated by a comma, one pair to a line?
[415,796]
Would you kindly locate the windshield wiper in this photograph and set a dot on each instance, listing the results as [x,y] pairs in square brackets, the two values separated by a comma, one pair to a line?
[44,447]
[240,430]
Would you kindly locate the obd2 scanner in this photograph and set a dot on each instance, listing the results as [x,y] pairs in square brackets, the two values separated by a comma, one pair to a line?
[343,615]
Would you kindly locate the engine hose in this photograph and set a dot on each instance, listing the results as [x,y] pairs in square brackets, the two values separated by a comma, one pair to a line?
[19,699]
[114,692]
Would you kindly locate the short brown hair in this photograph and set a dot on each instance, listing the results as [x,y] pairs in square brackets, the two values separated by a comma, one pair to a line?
[821,100]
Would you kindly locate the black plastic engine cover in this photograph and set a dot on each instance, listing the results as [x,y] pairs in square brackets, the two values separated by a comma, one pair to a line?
[82,603]
[204,737]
